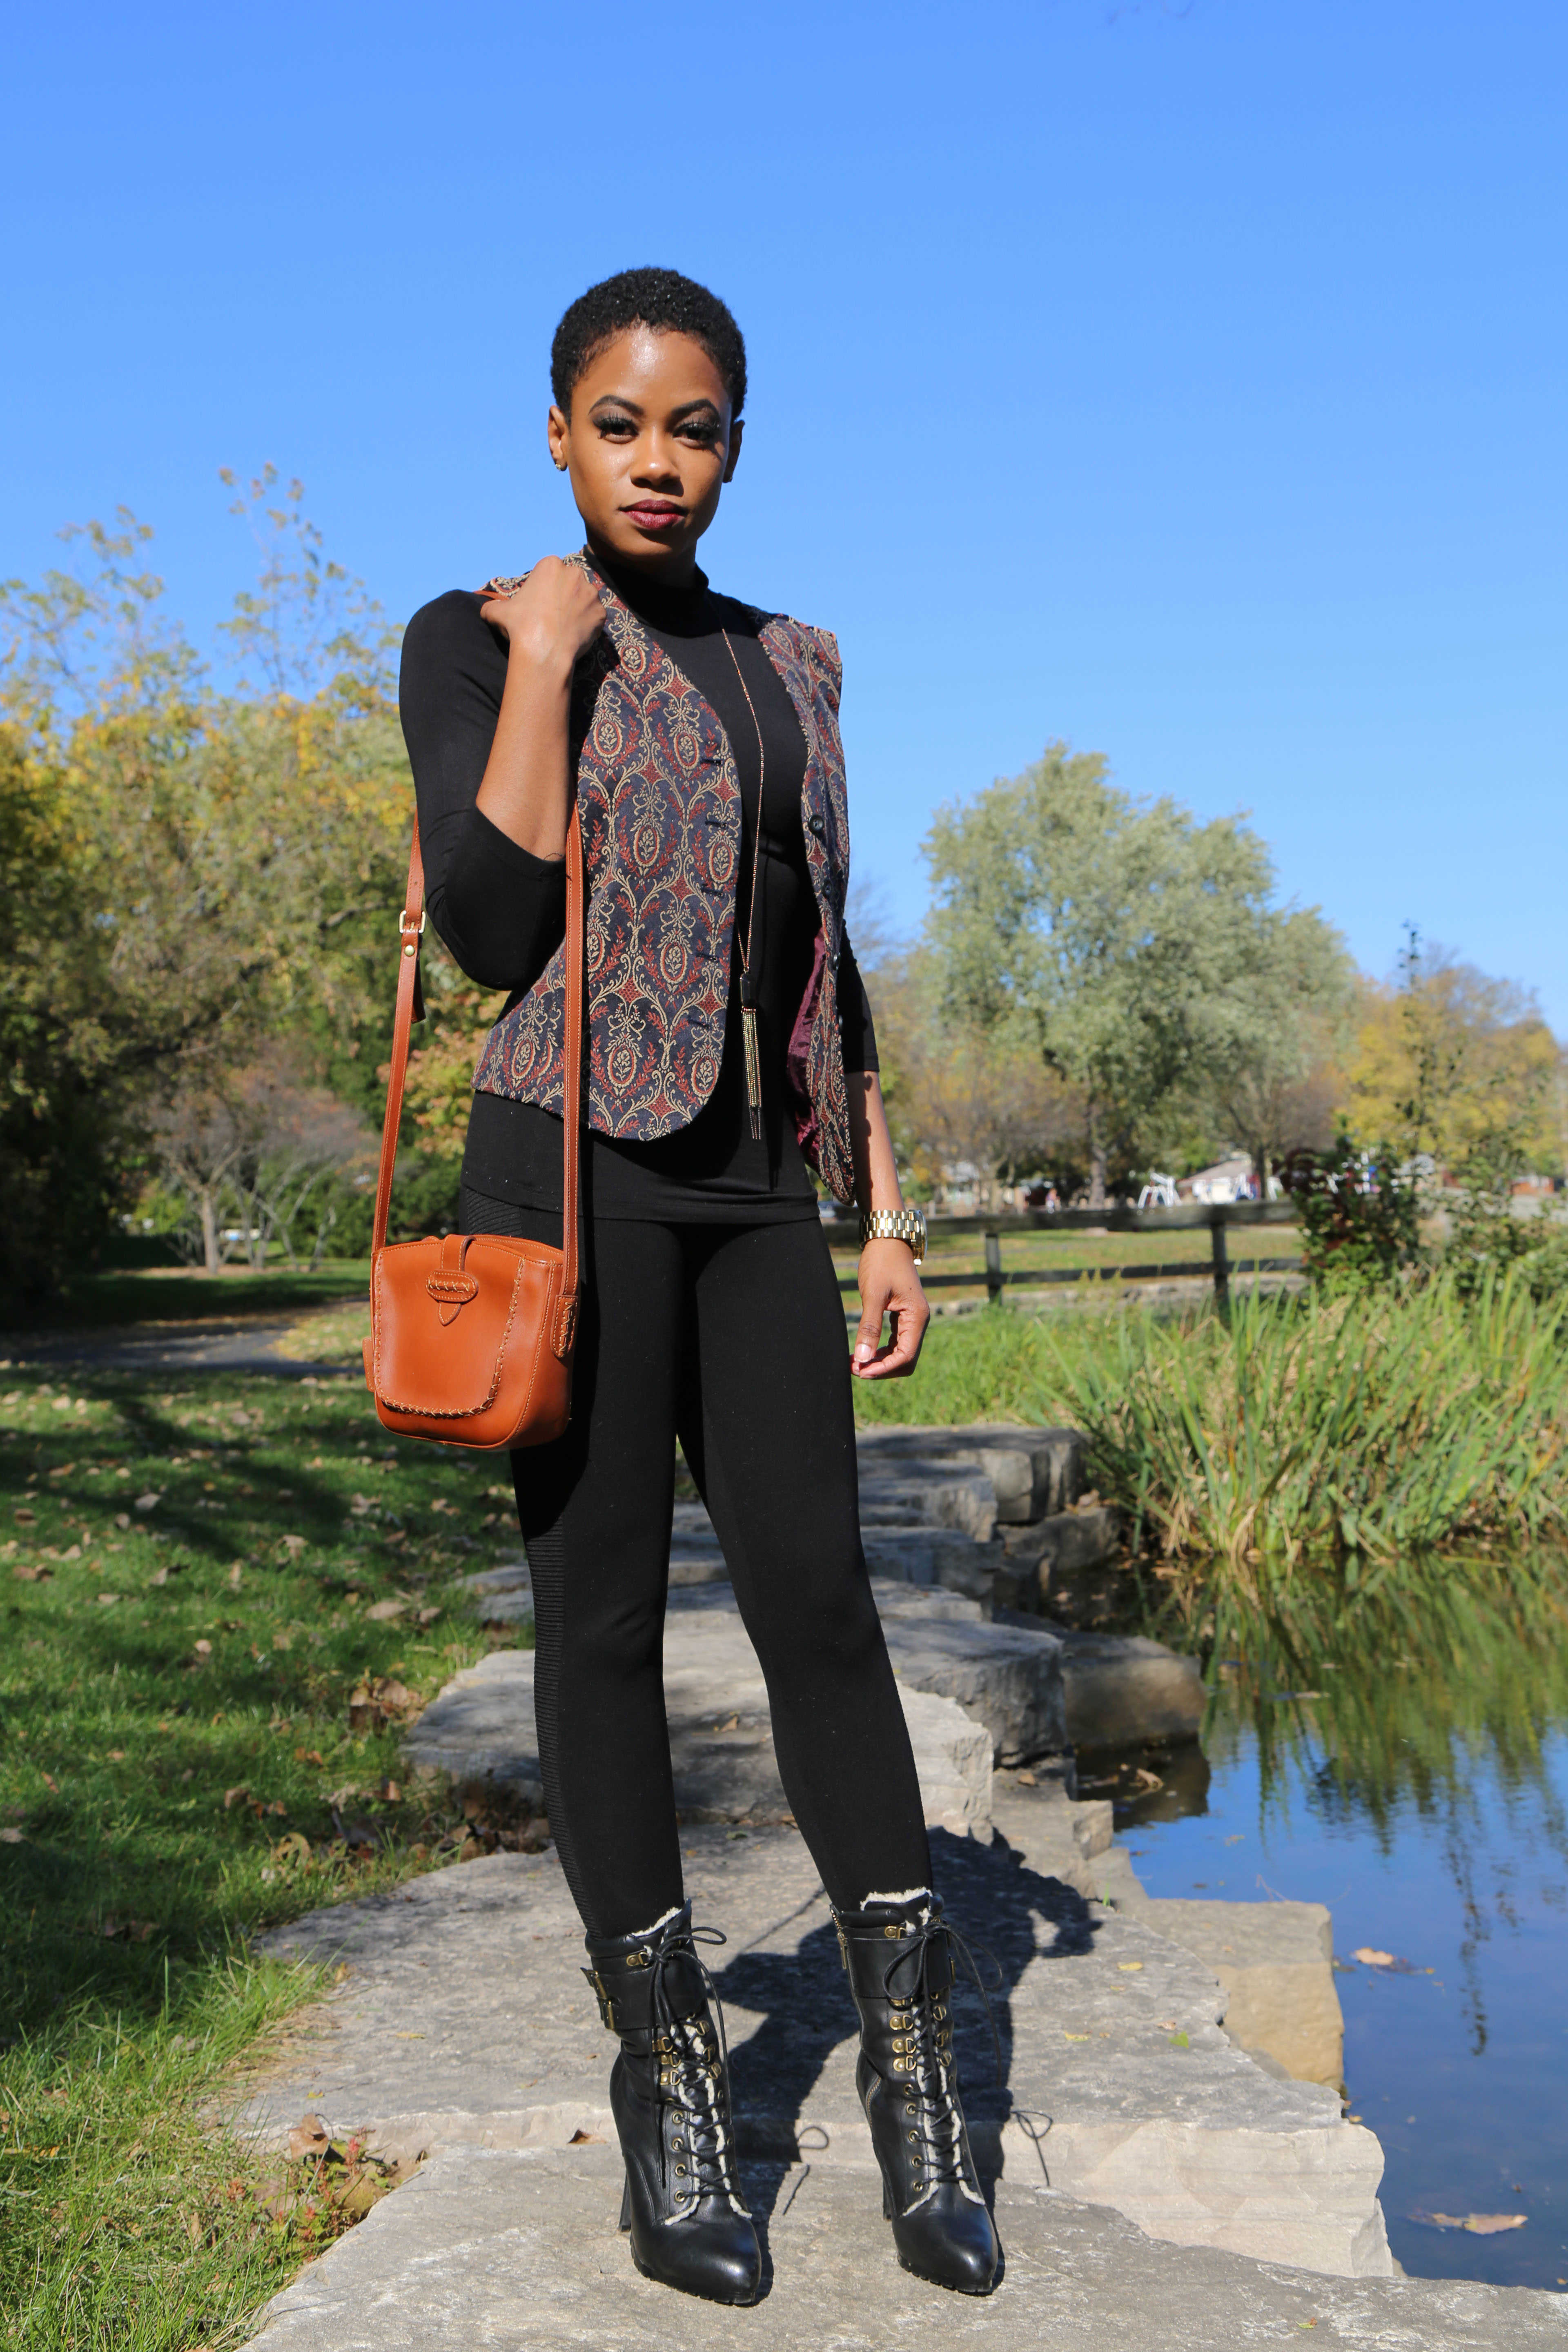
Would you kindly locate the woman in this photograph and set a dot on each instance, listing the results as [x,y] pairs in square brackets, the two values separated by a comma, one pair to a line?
[728,1043]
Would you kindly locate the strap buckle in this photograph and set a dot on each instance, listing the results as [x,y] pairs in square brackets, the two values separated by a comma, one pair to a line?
[406,930]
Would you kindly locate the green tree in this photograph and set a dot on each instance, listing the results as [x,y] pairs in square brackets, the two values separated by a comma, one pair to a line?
[1112,931]
[202,882]
[1278,1029]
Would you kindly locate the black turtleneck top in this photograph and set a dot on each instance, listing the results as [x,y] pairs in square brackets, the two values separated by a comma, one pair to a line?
[503,912]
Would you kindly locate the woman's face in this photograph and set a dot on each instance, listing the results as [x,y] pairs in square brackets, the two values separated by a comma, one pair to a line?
[649,445]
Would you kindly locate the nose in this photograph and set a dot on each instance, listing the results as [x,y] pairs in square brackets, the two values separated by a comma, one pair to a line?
[658,467]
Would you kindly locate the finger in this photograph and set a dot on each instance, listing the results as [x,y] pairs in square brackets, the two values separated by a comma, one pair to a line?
[869,1332]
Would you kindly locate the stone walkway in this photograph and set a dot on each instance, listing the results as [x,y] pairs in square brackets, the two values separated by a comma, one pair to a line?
[506,2250]
[464,2030]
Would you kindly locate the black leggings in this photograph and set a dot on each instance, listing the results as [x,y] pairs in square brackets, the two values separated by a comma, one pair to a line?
[730,1339]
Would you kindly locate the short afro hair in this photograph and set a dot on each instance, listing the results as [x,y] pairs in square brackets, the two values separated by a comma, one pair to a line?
[660,299]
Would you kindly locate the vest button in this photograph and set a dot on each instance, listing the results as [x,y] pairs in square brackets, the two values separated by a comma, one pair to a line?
[815,821]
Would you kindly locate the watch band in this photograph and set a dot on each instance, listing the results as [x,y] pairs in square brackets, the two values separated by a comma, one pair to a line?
[895,1226]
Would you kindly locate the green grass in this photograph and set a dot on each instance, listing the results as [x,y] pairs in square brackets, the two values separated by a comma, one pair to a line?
[178,1769]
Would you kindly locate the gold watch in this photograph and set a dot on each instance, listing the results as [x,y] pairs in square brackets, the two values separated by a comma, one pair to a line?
[895,1226]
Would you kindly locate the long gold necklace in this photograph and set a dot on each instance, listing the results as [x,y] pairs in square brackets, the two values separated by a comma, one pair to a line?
[748,978]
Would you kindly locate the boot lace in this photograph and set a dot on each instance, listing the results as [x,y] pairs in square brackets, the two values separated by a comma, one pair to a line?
[922,2040]
[692,2066]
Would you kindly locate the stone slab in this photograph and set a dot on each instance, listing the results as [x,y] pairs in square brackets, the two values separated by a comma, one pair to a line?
[721,1731]
[462,2020]
[510,2251]
[1064,1543]
[1122,1689]
[1033,1472]
[1276,1964]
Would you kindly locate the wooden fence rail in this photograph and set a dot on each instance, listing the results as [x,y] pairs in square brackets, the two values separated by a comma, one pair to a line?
[1217,1216]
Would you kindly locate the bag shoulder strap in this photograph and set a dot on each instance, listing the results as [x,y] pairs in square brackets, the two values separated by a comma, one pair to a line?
[410,926]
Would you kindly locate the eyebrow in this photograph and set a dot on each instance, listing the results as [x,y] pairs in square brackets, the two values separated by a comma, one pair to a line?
[636,408]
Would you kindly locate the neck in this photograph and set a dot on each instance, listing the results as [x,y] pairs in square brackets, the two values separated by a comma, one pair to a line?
[678,569]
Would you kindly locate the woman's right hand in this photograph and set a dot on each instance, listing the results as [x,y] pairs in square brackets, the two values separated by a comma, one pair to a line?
[553,618]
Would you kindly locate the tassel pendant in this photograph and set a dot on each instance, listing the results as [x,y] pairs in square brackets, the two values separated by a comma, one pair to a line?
[754,1069]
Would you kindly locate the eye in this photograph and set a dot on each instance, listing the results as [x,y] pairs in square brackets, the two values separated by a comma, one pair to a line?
[702,432]
[615,428]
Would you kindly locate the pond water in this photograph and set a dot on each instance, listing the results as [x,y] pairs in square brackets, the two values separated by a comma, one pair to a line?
[1400,1754]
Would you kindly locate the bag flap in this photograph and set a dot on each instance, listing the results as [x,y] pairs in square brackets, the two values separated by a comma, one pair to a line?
[445,1314]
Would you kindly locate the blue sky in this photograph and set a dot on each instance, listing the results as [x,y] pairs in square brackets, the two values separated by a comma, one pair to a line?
[1187,381]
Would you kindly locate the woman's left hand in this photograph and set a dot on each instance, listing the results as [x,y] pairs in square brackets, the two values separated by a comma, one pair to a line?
[891,1286]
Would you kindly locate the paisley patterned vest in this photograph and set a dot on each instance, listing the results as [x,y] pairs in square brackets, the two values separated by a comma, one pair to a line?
[660,807]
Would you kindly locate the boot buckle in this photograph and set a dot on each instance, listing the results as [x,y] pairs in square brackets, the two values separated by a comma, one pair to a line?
[601,1994]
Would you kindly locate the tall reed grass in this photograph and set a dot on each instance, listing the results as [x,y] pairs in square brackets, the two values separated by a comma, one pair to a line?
[1351,1428]
[1373,1425]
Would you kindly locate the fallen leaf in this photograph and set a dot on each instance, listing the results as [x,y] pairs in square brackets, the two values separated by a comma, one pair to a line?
[145,1503]
[308,2136]
[159,1576]
[293,1545]
[32,1575]
[204,1648]
[383,1612]
[105,1600]
[74,1552]
[25,1518]
[295,1847]
[428,1616]
[1129,1968]
[1075,2037]
[117,1755]
[1480,2225]
[123,1519]
[232,1797]
[12,1837]
[235,1578]
[1370,1958]
[587,2139]
[1028,1781]
[1179,2042]
[308,1756]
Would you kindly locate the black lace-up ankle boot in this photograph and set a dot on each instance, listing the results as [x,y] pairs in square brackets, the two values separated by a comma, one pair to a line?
[669,2090]
[899,1956]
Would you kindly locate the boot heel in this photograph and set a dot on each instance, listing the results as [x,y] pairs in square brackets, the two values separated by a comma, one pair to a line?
[625,2221]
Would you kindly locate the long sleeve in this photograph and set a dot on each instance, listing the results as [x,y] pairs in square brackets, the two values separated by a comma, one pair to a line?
[857,1030]
[499,908]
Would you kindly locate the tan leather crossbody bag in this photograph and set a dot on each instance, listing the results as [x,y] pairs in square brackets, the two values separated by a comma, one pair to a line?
[471,1334]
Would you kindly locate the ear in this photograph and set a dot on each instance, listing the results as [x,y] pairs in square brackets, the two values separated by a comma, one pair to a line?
[736,430]
[558,433]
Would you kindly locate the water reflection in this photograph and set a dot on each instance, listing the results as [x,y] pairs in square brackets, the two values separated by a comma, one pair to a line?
[1397,1748]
